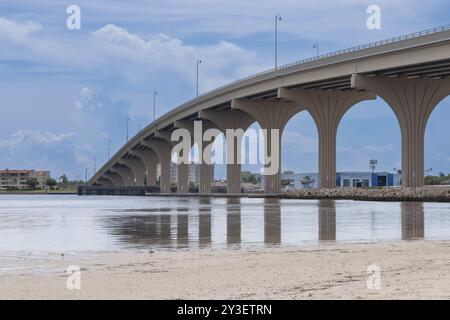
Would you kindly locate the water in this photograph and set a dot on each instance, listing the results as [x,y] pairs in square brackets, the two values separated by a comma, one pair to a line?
[60,223]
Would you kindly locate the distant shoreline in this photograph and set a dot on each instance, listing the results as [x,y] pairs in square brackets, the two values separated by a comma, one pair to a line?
[38,192]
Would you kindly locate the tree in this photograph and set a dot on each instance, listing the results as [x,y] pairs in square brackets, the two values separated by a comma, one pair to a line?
[64,181]
[50,182]
[32,183]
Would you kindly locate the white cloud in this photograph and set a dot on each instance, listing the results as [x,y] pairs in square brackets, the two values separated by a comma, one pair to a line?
[299,143]
[222,62]
[33,149]
[18,32]
[36,138]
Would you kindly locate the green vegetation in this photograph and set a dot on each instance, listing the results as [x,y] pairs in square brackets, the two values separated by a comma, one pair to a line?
[32,183]
[441,179]
[50,182]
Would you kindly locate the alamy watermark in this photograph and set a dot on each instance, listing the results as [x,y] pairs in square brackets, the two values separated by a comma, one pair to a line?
[242,147]
[374,19]
[374,278]
[74,277]
[73,21]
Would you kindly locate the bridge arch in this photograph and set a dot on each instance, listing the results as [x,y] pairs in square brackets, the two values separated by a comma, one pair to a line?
[369,130]
[437,140]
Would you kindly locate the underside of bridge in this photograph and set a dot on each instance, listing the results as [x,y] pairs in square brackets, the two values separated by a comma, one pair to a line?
[412,88]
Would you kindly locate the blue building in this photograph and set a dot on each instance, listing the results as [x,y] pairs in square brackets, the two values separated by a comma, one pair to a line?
[343,180]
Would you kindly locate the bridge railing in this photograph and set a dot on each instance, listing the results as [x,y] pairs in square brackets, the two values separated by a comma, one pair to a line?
[348,50]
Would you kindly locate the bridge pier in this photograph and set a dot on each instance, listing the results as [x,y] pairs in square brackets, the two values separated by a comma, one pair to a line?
[327,109]
[115,178]
[164,152]
[412,101]
[105,182]
[182,168]
[205,178]
[150,159]
[230,120]
[271,115]
[126,174]
[138,168]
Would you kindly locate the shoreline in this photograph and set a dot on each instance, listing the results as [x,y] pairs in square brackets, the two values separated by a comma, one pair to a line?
[409,270]
[438,194]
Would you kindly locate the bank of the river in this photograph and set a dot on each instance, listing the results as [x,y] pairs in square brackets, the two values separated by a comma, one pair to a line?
[408,270]
[34,192]
[424,194]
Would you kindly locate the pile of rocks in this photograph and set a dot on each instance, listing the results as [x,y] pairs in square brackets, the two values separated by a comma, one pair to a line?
[428,193]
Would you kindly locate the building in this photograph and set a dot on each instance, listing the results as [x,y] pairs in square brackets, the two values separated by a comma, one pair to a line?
[17,179]
[292,180]
[193,172]
[368,179]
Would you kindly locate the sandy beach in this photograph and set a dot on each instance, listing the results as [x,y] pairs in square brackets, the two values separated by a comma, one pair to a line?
[409,270]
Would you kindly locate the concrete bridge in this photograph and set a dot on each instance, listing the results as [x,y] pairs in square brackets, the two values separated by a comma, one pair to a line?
[411,73]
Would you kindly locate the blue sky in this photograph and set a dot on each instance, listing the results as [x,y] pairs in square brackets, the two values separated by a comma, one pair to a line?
[64,93]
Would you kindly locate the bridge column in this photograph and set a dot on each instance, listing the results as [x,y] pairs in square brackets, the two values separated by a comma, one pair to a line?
[412,101]
[164,152]
[126,174]
[327,109]
[271,115]
[115,178]
[150,159]
[205,178]
[138,168]
[182,168]
[105,182]
[234,119]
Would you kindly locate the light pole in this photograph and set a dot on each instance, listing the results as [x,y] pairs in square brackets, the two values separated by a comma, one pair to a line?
[316,46]
[277,18]
[198,62]
[155,93]
[128,119]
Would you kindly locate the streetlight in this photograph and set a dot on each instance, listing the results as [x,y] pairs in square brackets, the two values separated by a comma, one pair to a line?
[128,119]
[198,62]
[95,164]
[316,46]
[373,165]
[155,93]
[277,18]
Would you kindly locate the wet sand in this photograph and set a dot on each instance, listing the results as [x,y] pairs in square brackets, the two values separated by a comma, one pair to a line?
[409,270]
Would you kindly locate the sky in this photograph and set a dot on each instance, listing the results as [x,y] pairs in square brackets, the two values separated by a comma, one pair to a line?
[65,93]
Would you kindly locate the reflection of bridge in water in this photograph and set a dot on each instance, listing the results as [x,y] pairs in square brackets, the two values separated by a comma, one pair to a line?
[186,227]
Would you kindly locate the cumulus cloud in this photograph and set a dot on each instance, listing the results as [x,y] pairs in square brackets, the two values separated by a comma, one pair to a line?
[35,149]
[18,32]
[163,53]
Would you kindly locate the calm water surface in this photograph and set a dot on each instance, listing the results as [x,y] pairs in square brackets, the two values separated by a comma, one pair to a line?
[69,222]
